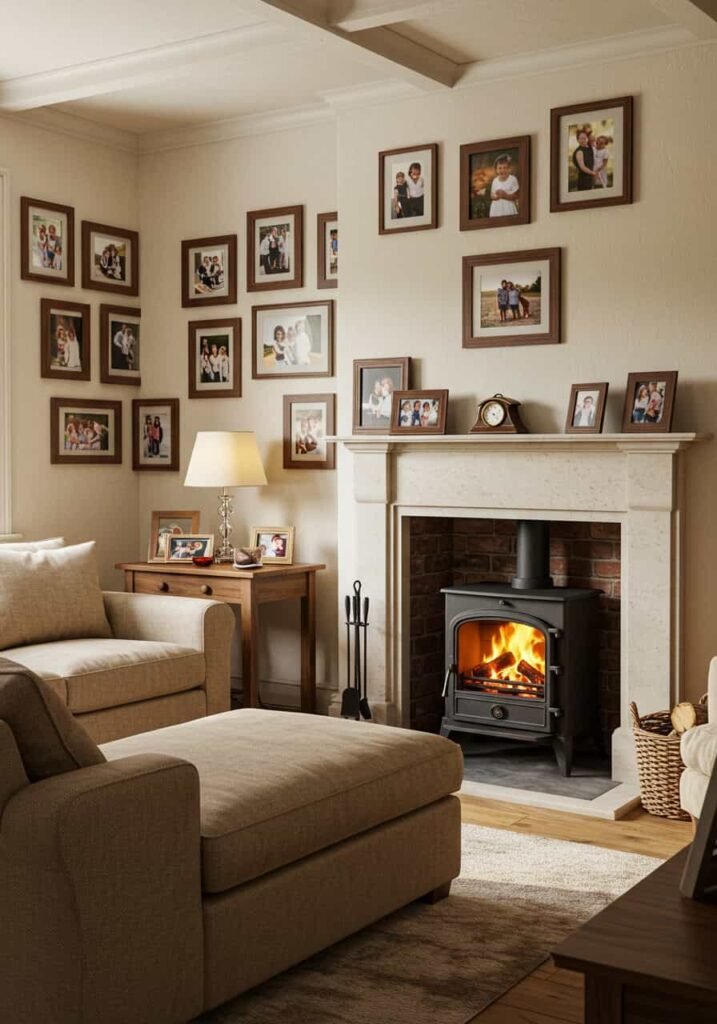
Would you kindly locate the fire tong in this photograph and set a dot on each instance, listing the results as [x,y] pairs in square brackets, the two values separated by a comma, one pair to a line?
[354,700]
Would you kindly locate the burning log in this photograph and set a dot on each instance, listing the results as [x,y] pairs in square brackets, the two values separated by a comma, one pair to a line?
[532,674]
[499,664]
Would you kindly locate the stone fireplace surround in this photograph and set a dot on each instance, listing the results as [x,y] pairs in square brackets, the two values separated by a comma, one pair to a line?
[631,479]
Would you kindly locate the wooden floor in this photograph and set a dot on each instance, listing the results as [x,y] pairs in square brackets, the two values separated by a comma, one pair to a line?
[549,995]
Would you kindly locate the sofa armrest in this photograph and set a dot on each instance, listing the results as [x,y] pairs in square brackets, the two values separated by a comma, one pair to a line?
[206,626]
[100,896]
[712,692]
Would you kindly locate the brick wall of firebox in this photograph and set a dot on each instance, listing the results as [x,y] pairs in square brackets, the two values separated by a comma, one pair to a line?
[448,552]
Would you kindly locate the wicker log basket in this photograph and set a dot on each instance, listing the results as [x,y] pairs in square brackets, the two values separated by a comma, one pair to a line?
[659,763]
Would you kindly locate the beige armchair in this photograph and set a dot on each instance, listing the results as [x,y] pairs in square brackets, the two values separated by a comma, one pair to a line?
[699,752]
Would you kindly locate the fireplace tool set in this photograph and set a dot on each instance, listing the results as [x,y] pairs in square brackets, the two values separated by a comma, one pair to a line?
[354,700]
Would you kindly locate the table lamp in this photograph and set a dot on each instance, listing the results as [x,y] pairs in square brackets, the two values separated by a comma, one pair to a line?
[225,458]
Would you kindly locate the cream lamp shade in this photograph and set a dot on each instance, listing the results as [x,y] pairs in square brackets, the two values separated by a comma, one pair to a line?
[225,458]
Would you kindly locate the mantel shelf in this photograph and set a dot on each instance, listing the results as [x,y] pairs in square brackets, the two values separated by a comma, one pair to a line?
[599,442]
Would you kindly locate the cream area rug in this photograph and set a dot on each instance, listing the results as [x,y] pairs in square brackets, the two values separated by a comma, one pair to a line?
[516,898]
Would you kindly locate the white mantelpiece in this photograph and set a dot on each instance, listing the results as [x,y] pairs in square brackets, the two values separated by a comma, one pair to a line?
[632,479]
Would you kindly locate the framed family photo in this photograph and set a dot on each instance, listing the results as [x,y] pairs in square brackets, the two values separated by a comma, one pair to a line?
[511,298]
[110,258]
[295,340]
[586,408]
[209,271]
[275,248]
[185,547]
[276,544]
[155,434]
[47,241]
[120,345]
[495,183]
[408,189]
[327,235]
[591,154]
[215,358]
[85,431]
[169,524]
[65,351]
[307,421]
[649,401]
[375,381]
[419,412]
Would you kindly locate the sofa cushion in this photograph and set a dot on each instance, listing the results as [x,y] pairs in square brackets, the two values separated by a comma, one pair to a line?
[50,595]
[693,789]
[89,675]
[699,748]
[33,545]
[277,786]
[49,739]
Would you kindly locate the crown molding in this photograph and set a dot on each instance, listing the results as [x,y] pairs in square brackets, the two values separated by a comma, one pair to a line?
[373,92]
[77,128]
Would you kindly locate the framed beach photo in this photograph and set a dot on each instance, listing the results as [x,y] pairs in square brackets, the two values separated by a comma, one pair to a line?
[110,258]
[591,154]
[275,248]
[85,431]
[419,412]
[327,250]
[47,241]
[120,339]
[408,189]
[586,408]
[649,401]
[209,271]
[495,183]
[276,544]
[65,350]
[185,547]
[295,340]
[375,381]
[307,421]
[214,365]
[169,524]
[511,298]
[155,434]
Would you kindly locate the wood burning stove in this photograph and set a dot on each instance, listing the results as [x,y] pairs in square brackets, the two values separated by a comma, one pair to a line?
[522,657]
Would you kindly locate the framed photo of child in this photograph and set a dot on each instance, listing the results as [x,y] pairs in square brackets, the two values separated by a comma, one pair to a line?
[65,340]
[185,547]
[47,241]
[419,412]
[408,189]
[586,408]
[155,434]
[375,381]
[276,544]
[308,419]
[591,154]
[275,254]
[209,271]
[85,431]
[649,401]
[120,335]
[293,340]
[215,358]
[110,258]
[495,183]
[327,250]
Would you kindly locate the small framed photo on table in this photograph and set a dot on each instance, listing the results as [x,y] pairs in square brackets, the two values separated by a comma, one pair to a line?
[649,401]
[408,189]
[110,258]
[187,546]
[307,421]
[275,248]
[419,412]
[276,544]
[375,381]
[169,524]
[495,183]
[155,434]
[327,235]
[47,242]
[294,340]
[586,408]
[120,338]
[215,358]
[65,340]
[85,431]
[209,271]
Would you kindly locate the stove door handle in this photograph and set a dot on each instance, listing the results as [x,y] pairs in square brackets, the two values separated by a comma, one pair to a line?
[449,672]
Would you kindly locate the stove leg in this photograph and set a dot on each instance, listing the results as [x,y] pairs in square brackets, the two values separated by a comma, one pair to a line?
[563,750]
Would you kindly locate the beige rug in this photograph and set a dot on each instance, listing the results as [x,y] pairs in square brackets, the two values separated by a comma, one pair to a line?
[517,897]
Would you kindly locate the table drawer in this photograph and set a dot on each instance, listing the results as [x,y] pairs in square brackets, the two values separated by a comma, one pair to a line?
[216,588]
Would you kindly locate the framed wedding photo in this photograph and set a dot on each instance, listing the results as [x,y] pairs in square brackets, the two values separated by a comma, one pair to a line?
[327,265]
[185,547]
[85,431]
[408,189]
[375,381]
[155,434]
[511,298]
[65,340]
[591,154]
[649,402]
[47,242]
[495,183]
[294,340]
[215,358]
[110,258]
[209,271]
[275,254]
[120,337]
[276,544]
[586,408]
[419,412]
[169,524]
[307,421]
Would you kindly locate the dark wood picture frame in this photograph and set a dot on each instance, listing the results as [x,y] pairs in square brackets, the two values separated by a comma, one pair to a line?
[83,310]
[634,380]
[57,456]
[328,372]
[419,395]
[497,146]
[137,405]
[402,363]
[322,221]
[290,462]
[430,147]
[575,390]
[153,554]
[558,205]
[193,328]
[131,237]
[296,280]
[230,272]
[26,272]
[107,374]
[550,336]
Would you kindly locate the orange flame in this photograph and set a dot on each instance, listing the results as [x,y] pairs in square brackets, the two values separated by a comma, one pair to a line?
[525,643]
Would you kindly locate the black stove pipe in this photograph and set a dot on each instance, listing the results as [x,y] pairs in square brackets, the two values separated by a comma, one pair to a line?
[533,569]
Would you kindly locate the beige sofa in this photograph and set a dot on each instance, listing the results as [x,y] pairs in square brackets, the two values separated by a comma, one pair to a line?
[699,752]
[157,878]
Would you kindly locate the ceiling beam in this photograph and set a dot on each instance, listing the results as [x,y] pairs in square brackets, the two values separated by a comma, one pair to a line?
[698,16]
[392,12]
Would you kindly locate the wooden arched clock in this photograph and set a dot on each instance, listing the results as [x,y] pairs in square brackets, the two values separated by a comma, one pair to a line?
[499,415]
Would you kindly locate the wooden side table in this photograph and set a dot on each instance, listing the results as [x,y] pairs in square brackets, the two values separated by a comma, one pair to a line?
[248,588]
